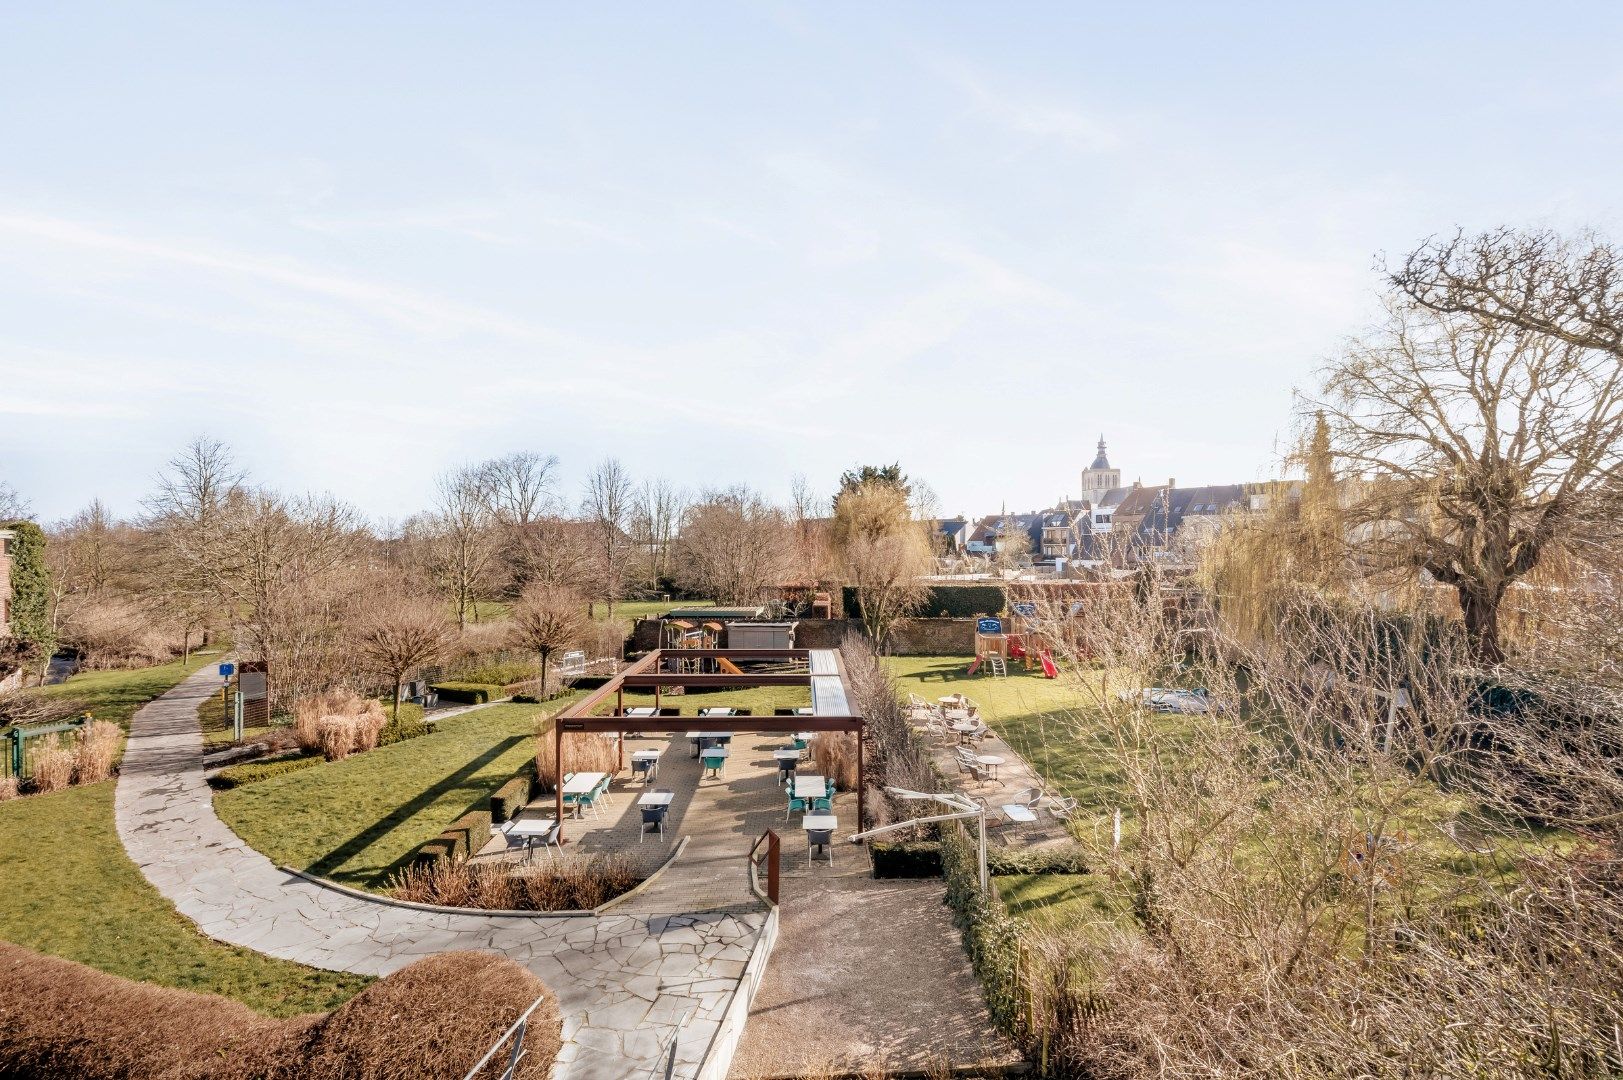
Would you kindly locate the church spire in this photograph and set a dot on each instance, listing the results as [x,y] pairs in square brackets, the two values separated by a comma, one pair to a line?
[1101,462]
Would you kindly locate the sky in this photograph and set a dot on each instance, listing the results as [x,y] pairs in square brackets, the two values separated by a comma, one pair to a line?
[729,243]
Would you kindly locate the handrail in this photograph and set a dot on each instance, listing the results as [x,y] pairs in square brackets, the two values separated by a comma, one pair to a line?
[516,1033]
[772,857]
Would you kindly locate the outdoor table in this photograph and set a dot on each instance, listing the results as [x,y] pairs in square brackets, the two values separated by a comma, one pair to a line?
[531,831]
[806,711]
[651,757]
[642,710]
[713,752]
[582,783]
[656,798]
[810,787]
[957,714]
[788,753]
[1019,813]
[964,728]
[718,711]
[697,738]
[991,761]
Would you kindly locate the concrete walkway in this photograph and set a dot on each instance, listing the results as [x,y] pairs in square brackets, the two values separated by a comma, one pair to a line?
[627,984]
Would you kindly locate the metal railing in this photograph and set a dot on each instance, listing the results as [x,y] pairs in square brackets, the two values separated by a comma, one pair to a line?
[771,857]
[516,1035]
[15,759]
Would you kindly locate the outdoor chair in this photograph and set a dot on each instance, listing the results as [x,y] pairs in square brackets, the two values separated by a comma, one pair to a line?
[528,843]
[655,816]
[1061,806]
[786,772]
[715,763]
[825,805]
[644,768]
[968,764]
[795,804]
[820,838]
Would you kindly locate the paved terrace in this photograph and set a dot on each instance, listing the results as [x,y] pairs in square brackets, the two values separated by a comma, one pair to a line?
[625,981]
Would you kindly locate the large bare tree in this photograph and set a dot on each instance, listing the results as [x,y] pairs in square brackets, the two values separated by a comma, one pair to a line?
[656,513]
[459,540]
[883,550]
[734,546]
[607,505]
[397,634]
[1471,447]
[519,492]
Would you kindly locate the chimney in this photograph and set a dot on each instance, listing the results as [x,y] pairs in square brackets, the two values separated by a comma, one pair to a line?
[1172,481]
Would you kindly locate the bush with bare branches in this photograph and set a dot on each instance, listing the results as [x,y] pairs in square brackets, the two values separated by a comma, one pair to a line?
[570,884]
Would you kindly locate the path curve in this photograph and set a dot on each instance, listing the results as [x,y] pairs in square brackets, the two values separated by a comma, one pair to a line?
[624,981]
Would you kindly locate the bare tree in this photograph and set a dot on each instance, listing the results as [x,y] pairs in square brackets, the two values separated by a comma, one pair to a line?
[608,505]
[519,491]
[13,507]
[734,546]
[186,514]
[809,517]
[1472,447]
[460,540]
[546,619]
[884,551]
[397,634]
[657,511]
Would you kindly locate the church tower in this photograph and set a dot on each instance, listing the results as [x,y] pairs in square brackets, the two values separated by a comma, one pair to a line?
[1099,477]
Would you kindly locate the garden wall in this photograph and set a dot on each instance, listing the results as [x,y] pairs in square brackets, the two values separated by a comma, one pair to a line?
[915,637]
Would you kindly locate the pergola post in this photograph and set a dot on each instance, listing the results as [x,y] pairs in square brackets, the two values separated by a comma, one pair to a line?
[861,787]
[558,780]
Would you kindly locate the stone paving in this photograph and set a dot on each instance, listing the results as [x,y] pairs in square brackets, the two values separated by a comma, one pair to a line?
[1016,781]
[627,982]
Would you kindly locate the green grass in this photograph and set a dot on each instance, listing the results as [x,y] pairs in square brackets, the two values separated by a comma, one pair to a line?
[1061,900]
[646,609]
[71,891]
[356,821]
[115,695]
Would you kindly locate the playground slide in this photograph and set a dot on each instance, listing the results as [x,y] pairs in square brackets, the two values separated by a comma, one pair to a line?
[1049,670]
[728,666]
[975,666]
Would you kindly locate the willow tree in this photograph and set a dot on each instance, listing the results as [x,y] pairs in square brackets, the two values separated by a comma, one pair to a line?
[1469,446]
[883,550]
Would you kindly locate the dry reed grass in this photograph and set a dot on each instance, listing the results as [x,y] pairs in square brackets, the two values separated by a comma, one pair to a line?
[53,769]
[583,752]
[835,755]
[95,751]
[9,788]
[567,884]
[416,1022]
[337,723]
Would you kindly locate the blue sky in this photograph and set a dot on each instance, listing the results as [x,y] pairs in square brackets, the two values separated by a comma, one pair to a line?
[736,242]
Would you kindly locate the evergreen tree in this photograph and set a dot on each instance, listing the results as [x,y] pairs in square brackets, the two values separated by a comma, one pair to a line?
[31,588]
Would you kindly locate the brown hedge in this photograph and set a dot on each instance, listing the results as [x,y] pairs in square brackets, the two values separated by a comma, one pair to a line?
[432,1019]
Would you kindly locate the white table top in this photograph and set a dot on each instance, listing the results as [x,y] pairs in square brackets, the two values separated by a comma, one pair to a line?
[965,725]
[718,711]
[642,710]
[805,736]
[656,798]
[710,735]
[582,782]
[530,826]
[1018,812]
[820,822]
[950,699]
[805,711]
[988,759]
[787,754]
[645,755]
[810,787]
[714,751]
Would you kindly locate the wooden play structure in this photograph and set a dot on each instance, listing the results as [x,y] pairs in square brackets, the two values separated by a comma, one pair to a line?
[997,641]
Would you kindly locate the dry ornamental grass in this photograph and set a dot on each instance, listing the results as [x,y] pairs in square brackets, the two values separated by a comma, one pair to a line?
[95,751]
[571,884]
[53,769]
[583,752]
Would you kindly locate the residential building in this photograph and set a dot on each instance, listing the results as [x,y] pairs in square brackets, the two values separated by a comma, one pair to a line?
[7,539]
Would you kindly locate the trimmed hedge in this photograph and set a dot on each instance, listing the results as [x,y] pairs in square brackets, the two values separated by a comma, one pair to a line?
[471,693]
[509,799]
[252,772]
[59,1018]
[944,601]
[1056,860]
[915,859]
[466,835]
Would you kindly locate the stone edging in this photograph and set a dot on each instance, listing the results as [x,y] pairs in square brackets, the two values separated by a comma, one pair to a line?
[413,905]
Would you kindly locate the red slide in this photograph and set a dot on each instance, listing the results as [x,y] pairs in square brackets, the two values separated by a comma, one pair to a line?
[1049,670]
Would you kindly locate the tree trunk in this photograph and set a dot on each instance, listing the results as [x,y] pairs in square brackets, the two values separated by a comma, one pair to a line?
[1481,610]
[543,693]
[396,720]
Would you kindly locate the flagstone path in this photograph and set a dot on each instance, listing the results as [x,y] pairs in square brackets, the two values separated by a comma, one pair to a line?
[627,983]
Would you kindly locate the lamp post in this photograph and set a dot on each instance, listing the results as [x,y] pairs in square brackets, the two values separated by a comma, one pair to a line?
[963,807]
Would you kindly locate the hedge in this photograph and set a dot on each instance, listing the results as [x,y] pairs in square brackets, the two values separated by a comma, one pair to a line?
[914,859]
[59,1018]
[466,835]
[1055,860]
[471,693]
[510,798]
[252,772]
[945,601]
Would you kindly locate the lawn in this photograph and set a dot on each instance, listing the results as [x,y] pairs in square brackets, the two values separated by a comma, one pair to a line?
[357,820]
[115,695]
[74,893]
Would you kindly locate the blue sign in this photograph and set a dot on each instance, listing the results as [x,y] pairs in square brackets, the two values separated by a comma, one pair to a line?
[227,670]
[989,626]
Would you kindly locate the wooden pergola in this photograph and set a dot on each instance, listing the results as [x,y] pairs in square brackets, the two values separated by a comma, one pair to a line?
[824,676]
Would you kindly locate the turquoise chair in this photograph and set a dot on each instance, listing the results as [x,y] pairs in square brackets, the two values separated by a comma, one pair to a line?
[823,806]
[795,804]
[715,763]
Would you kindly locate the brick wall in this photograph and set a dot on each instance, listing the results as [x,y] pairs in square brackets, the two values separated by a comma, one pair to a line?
[915,637]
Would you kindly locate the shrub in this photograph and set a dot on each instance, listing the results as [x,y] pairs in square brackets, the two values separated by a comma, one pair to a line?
[947,601]
[465,836]
[95,751]
[572,884]
[915,859]
[1068,859]
[252,772]
[414,1023]
[583,752]
[337,723]
[510,798]
[470,693]
[499,673]
[53,769]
